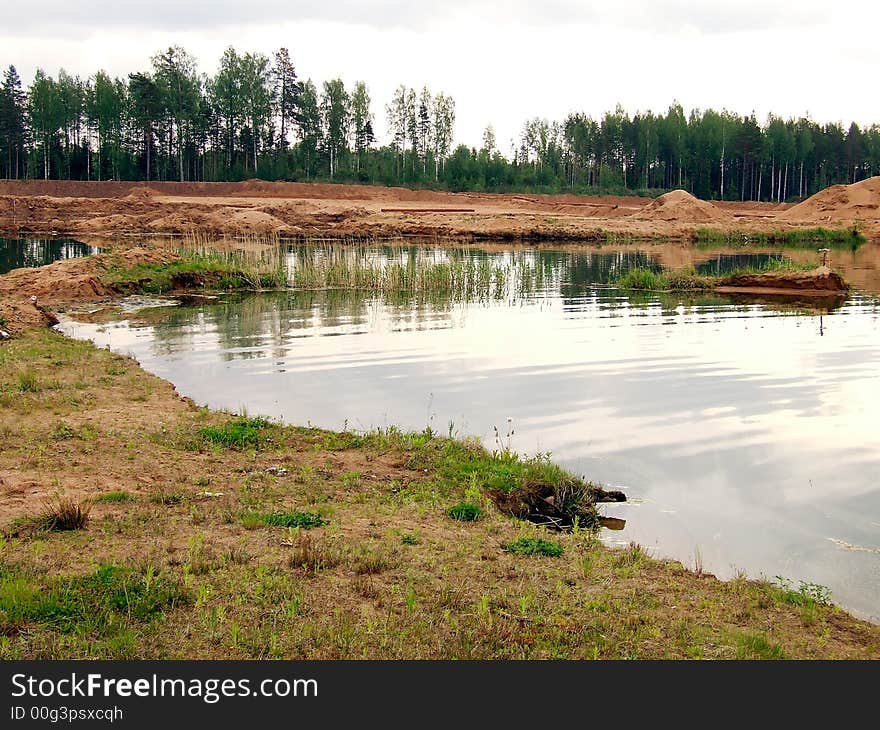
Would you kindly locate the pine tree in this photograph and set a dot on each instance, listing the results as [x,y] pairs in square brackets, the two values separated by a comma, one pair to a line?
[12,124]
[286,92]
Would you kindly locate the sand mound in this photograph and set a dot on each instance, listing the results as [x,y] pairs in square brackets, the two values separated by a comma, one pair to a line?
[859,201]
[143,193]
[19,316]
[256,221]
[820,279]
[680,205]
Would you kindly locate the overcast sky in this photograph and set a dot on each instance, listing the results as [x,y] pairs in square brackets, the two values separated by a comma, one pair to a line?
[503,62]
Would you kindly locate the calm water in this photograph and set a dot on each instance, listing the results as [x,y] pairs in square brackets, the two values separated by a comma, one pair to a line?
[17,253]
[745,436]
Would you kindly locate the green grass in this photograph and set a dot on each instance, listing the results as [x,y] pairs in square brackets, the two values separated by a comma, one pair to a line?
[641,279]
[28,382]
[455,278]
[95,603]
[792,238]
[688,279]
[305,520]
[358,587]
[534,546]
[115,497]
[756,646]
[213,271]
[239,433]
[464,512]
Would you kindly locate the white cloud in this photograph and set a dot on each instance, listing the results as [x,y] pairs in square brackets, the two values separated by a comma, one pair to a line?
[503,62]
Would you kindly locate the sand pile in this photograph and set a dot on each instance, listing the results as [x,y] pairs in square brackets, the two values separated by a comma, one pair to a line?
[859,201]
[821,279]
[143,193]
[681,206]
[75,279]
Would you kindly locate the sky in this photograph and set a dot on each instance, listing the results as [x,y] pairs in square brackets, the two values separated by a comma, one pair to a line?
[503,62]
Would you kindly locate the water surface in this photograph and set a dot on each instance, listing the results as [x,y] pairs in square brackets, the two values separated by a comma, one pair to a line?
[17,253]
[744,434]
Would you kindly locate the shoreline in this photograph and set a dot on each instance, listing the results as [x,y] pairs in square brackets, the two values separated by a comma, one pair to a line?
[368,213]
[169,502]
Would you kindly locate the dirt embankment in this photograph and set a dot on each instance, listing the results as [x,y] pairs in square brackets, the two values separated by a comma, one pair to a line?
[821,281]
[358,211]
[27,296]
[840,203]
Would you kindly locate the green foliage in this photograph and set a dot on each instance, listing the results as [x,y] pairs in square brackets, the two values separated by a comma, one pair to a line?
[806,594]
[640,279]
[464,512]
[239,433]
[534,546]
[168,123]
[199,270]
[684,280]
[28,383]
[63,431]
[807,238]
[756,646]
[305,520]
[115,497]
[94,602]
[466,278]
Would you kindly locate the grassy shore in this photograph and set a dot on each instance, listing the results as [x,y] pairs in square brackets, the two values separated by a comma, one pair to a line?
[209,535]
[199,270]
[688,279]
[808,238]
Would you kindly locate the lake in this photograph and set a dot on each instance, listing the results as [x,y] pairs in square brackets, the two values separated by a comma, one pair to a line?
[744,434]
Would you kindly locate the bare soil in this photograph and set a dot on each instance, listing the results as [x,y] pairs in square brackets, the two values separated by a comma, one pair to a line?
[821,282]
[86,209]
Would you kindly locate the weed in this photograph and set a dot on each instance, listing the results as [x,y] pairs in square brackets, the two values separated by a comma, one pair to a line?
[756,646]
[534,546]
[28,383]
[237,555]
[115,497]
[364,586]
[465,512]
[62,431]
[806,594]
[310,555]
[351,479]
[89,603]
[409,538]
[794,238]
[61,514]
[167,498]
[368,562]
[201,557]
[305,520]
[238,434]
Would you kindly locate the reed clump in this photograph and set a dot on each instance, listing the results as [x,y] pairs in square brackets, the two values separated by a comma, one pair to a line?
[455,278]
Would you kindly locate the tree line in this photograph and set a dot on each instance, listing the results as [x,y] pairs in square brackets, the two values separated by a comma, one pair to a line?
[256,118]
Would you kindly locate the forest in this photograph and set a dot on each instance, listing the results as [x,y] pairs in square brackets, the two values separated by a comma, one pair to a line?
[255,118]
